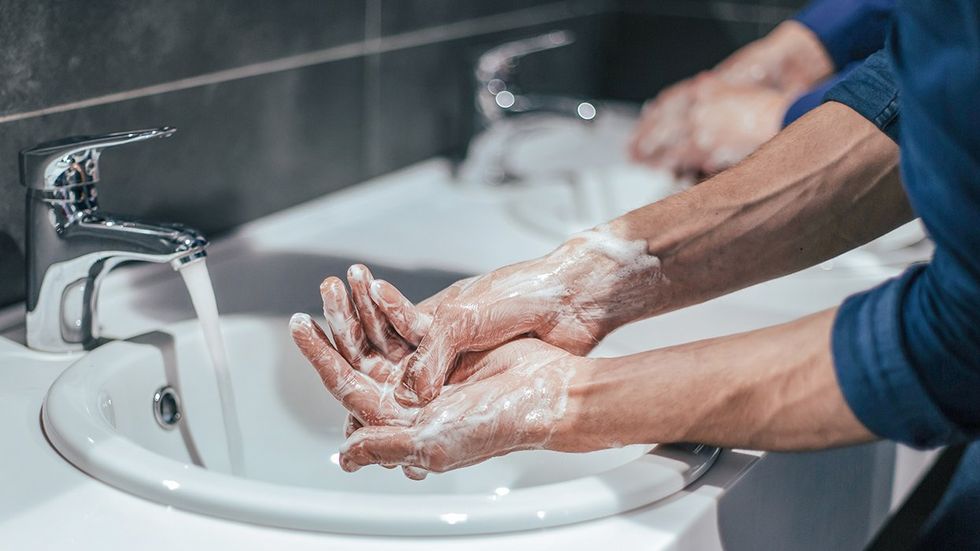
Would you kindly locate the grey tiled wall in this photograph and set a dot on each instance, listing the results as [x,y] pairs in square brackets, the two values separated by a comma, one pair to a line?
[279,102]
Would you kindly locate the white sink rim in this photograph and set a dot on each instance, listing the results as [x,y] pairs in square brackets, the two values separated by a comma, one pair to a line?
[84,438]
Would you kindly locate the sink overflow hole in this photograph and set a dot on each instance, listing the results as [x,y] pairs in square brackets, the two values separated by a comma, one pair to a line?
[166,407]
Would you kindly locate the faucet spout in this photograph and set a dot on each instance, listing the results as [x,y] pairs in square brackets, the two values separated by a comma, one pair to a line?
[127,238]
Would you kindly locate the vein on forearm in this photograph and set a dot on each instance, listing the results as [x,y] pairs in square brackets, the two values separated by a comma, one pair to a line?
[823,186]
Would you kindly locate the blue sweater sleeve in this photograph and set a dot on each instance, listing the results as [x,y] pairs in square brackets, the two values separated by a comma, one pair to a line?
[810,100]
[850,30]
[872,91]
[907,353]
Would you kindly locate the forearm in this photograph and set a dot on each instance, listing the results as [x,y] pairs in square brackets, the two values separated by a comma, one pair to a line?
[772,389]
[826,184]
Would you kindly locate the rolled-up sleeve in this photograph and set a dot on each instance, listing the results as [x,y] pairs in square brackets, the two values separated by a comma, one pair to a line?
[850,30]
[872,91]
[814,97]
[907,353]
[874,337]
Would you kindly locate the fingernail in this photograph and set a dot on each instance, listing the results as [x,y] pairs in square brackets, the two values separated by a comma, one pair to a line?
[357,271]
[300,321]
[375,291]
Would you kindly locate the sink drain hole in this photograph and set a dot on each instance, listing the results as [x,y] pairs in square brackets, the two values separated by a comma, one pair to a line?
[166,407]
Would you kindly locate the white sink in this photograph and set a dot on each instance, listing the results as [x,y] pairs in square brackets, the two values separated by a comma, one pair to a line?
[100,416]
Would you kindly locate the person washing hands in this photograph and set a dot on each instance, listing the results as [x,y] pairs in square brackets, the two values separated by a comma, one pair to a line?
[495,364]
[713,120]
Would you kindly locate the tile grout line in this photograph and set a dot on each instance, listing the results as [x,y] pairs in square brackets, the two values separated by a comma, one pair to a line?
[527,17]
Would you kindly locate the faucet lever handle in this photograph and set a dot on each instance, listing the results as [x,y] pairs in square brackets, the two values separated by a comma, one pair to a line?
[498,62]
[75,160]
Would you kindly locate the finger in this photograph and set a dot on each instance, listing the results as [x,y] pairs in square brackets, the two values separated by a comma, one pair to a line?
[658,138]
[415,473]
[350,425]
[381,445]
[425,371]
[346,464]
[375,324]
[355,390]
[647,124]
[404,316]
[475,366]
[342,321]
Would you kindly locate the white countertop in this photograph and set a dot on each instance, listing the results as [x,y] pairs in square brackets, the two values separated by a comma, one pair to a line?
[411,221]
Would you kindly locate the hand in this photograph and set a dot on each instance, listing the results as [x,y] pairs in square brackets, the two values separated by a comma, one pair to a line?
[517,408]
[362,334]
[707,124]
[790,59]
[570,298]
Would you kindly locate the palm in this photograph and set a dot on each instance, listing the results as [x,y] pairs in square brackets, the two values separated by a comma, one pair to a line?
[512,402]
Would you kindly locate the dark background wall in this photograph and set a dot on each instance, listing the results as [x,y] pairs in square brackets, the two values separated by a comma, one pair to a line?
[279,102]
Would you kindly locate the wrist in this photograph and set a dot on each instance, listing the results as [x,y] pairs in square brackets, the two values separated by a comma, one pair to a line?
[576,429]
[607,277]
[621,401]
[790,59]
[805,60]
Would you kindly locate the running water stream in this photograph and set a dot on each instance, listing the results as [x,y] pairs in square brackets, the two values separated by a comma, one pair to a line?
[198,282]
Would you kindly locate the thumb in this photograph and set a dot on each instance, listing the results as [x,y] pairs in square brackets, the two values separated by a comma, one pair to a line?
[404,316]
[426,369]
[381,445]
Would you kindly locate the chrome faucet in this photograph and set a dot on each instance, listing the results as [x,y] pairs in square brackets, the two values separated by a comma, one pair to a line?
[72,244]
[496,95]
[505,113]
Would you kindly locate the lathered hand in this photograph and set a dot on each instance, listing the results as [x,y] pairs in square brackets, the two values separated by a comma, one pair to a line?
[518,408]
[712,126]
[570,298]
[707,124]
[704,124]
[363,336]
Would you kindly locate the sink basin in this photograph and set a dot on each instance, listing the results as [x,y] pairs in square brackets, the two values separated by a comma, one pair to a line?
[102,417]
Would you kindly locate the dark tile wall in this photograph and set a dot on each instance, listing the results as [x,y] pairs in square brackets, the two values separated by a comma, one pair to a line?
[279,102]
[57,51]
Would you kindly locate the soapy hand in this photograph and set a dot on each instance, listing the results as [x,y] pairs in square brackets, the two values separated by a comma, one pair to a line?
[364,335]
[570,298]
[365,338]
[707,124]
[514,402]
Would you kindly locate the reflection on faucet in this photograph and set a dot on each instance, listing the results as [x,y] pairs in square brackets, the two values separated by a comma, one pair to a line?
[72,245]
[503,109]
[496,94]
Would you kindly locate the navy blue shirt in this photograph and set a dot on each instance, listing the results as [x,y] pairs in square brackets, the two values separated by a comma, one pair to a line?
[907,353]
[850,31]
